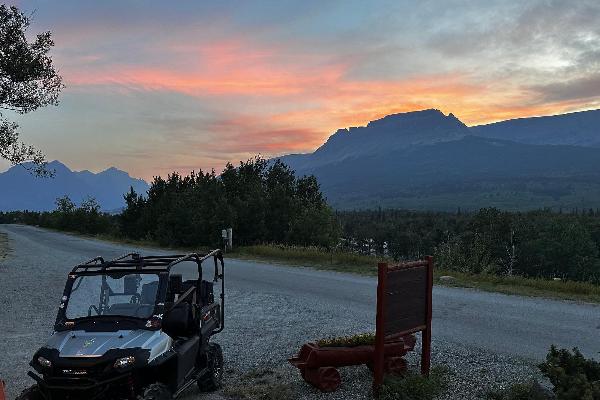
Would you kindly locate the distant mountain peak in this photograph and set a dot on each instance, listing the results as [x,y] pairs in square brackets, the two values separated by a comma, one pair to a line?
[431,114]
[393,132]
[25,191]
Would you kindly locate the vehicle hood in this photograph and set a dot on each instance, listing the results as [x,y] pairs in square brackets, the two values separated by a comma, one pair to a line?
[95,344]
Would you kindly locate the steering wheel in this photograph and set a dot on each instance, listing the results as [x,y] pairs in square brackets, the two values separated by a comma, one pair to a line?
[135,299]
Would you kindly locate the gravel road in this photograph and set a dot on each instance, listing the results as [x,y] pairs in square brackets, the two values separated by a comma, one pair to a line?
[487,340]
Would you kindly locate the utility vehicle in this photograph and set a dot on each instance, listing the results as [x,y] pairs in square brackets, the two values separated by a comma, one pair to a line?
[130,328]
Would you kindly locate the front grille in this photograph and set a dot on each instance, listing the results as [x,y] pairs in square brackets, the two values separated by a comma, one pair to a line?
[73,382]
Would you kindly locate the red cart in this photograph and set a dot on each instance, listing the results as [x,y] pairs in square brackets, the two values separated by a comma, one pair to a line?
[318,365]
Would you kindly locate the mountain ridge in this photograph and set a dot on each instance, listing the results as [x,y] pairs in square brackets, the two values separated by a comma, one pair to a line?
[428,160]
[580,128]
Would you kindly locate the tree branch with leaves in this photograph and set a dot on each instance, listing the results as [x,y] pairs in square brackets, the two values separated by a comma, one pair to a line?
[28,81]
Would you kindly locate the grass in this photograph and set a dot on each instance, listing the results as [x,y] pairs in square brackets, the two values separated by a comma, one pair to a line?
[413,386]
[367,265]
[348,341]
[311,256]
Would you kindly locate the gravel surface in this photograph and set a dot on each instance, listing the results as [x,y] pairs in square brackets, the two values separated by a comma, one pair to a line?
[487,340]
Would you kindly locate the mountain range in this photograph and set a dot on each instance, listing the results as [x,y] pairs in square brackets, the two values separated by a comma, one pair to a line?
[20,190]
[428,160]
[416,160]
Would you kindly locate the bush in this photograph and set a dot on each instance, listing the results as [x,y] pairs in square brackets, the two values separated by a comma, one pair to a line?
[574,377]
[414,386]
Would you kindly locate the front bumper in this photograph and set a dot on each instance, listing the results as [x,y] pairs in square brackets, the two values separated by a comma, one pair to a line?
[77,387]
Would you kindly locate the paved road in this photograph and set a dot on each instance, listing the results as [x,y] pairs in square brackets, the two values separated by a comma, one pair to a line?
[277,307]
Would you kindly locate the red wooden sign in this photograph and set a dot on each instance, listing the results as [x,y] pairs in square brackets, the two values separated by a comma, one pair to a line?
[403,307]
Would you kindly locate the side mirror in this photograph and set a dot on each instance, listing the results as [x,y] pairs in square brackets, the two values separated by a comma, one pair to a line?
[130,284]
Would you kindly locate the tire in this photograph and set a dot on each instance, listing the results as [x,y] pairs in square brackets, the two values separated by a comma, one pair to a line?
[156,391]
[33,393]
[213,379]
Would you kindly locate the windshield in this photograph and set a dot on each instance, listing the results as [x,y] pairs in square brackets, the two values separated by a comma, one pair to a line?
[132,295]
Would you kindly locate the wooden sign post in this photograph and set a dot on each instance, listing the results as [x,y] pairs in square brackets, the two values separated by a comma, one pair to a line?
[403,307]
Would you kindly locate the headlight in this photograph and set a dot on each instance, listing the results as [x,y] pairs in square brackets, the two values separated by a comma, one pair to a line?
[44,362]
[124,362]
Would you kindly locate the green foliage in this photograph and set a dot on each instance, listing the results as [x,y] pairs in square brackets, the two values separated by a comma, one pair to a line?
[521,391]
[574,377]
[64,204]
[262,202]
[414,386]
[362,339]
[28,81]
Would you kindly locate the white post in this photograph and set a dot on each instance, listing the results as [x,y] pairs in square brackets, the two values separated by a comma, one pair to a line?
[230,238]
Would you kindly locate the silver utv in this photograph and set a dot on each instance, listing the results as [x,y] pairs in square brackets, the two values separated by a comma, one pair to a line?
[132,328]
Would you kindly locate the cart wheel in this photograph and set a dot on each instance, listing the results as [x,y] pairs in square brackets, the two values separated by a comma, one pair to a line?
[391,365]
[326,379]
[213,379]
[32,393]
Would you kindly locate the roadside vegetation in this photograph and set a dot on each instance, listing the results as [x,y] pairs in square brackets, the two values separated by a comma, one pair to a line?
[343,261]
[414,386]
[573,377]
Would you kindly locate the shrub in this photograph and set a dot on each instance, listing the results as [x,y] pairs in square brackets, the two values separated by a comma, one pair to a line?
[574,377]
[413,386]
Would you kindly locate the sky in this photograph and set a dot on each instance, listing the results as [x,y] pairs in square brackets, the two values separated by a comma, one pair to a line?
[154,87]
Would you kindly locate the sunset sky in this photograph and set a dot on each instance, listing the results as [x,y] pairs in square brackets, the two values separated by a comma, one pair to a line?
[157,86]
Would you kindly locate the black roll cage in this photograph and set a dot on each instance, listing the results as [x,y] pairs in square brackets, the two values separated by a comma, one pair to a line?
[134,263]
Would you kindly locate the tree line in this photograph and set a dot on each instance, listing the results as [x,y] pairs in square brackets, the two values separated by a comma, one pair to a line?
[539,243]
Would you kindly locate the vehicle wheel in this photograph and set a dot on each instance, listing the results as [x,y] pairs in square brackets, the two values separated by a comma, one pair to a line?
[33,393]
[213,379]
[156,391]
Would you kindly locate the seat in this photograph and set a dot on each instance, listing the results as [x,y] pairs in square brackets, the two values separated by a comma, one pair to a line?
[148,294]
[178,322]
